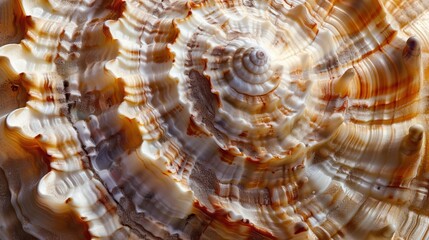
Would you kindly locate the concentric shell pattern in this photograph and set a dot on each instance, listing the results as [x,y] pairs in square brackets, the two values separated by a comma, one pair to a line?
[214,119]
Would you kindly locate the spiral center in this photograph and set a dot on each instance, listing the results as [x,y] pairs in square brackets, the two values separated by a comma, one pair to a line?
[258,57]
[252,65]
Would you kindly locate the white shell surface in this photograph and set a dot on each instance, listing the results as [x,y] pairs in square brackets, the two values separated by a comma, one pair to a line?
[214,119]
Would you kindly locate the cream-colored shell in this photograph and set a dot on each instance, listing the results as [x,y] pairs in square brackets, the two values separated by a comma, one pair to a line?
[214,119]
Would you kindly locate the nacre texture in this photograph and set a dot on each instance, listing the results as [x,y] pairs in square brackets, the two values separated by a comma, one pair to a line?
[214,119]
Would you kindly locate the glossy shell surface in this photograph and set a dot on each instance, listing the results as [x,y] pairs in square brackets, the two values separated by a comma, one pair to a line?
[214,119]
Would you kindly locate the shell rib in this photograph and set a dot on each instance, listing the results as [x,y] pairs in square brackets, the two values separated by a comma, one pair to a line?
[214,119]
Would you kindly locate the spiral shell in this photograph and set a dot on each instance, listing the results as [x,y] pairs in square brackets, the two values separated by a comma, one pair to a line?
[214,119]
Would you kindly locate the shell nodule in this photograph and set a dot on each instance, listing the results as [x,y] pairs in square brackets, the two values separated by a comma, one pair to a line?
[214,119]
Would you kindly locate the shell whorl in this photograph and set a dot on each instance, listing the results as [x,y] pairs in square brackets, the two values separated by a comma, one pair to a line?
[214,119]
[244,62]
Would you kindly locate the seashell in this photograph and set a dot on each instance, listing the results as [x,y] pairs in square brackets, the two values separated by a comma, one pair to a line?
[214,119]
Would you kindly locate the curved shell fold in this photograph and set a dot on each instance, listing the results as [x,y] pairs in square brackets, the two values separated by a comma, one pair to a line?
[214,119]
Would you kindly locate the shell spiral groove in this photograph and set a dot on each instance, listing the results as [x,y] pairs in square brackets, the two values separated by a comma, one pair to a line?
[214,119]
